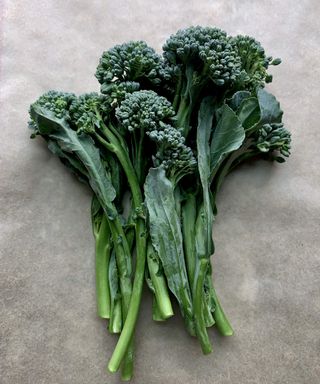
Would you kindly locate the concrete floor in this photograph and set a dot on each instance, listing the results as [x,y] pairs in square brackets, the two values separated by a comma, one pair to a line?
[267,263]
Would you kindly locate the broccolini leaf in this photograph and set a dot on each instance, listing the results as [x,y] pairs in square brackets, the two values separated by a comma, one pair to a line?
[204,245]
[69,161]
[227,137]
[82,146]
[269,108]
[269,111]
[166,236]
[237,98]
[249,112]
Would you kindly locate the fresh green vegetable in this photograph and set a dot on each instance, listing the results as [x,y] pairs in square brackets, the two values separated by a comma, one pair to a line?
[155,147]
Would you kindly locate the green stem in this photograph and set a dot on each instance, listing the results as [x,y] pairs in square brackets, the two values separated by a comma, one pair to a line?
[139,158]
[102,266]
[156,314]
[126,336]
[123,264]
[221,320]
[115,323]
[160,286]
[207,314]
[198,303]
[177,94]
[127,365]
[183,115]
[189,212]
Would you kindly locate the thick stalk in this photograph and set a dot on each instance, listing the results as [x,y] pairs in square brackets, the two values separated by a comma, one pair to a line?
[189,98]
[102,266]
[115,323]
[183,115]
[123,260]
[122,263]
[139,158]
[189,212]
[177,94]
[222,323]
[156,314]
[198,304]
[132,313]
[207,314]
[161,293]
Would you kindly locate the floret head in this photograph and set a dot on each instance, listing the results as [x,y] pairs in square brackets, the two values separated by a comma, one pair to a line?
[207,50]
[86,110]
[144,110]
[132,61]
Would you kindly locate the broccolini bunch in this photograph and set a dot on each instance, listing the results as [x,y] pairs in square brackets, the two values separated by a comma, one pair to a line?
[154,147]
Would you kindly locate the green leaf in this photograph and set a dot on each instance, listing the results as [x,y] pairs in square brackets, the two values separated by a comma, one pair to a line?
[166,236]
[227,137]
[270,111]
[205,246]
[83,148]
[249,112]
[96,215]
[269,108]
[237,98]
[68,160]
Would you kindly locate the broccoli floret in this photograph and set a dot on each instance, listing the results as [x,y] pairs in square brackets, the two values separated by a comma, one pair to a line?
[254,62]
[148,113]
[86,111]
[204,61]
[139,113]
[274,137]
[144,110]
[133,61]
[116,92]
[209,51]
[56,102]
[172,154]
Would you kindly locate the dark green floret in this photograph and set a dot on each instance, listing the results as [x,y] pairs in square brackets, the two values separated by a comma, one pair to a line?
[254,62]
[56,102]
[173,155]
[116,92]
[132,61]
[144,110]
[207,50]
[274,137]
[86,111]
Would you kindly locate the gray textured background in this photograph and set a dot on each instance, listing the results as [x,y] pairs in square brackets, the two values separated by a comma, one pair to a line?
[267,236]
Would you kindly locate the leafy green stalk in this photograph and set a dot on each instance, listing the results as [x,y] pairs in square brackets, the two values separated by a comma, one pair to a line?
[115,323]
[102,236]
[163,303]
[166,237]
[189,214]
[198,304]
[83,147]
[132,308]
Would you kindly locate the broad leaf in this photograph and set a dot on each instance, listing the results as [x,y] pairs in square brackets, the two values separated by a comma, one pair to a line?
[83,148]
[227,137]
[249,112]
[269,108]
[237,98]
[69,161]
[269,111]
[204,246]
[166,236]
